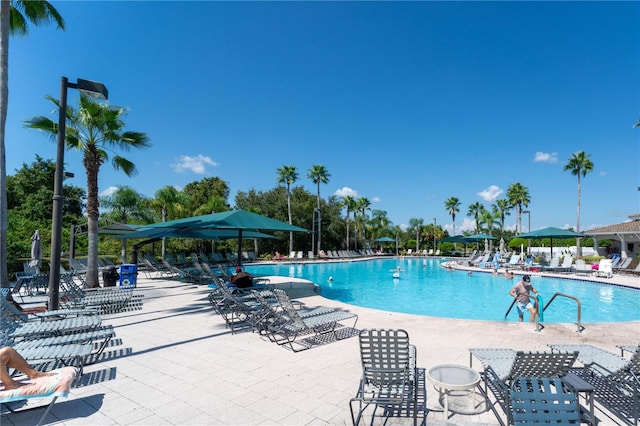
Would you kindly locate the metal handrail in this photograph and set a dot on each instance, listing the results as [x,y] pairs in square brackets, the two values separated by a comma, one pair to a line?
[539,326]
[580,327]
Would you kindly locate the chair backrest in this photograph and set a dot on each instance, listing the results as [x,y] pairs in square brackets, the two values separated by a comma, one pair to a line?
[288,308]
[605,266]
[542,364]
[543,400]
[385,356]
[567,261]
[554,262]
[630,373]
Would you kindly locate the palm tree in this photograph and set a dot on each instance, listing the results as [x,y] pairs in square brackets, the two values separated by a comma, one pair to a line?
[14,18]
[475,210]
[415,224]
[95,129]
[488,218]
[126,204]
[380,222]
[288,175]
[579,164]
[168,200]
[349,203]
[452,205]
[518,196]
[319,174]
[362,205]
[503,208]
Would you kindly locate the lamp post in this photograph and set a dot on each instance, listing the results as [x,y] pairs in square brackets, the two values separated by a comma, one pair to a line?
[85,87]
[434,234]
[528,213]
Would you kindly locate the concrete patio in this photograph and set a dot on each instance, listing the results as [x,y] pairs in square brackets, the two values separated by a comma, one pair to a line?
[178,364]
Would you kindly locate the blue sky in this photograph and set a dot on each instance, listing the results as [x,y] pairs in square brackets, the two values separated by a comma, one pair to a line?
[405,103]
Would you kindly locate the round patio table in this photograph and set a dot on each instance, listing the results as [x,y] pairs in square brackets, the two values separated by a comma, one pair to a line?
[452,377]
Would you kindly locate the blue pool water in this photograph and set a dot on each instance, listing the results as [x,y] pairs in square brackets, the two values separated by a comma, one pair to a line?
[426,288]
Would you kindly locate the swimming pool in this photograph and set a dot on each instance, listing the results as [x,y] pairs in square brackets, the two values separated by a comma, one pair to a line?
[426,288]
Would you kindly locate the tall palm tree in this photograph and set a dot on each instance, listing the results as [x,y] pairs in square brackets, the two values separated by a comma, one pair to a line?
[579,164]
[415,224]
[362,205]
[97,130]
[475,210]
[319,174]
[488,218]
[15,15]
[288,175]
[168,200]
[518,196]
[503,208]
[349,203]
[452,205]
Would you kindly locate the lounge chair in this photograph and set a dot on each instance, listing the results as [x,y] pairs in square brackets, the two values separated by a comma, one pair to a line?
[320,325]
[580,267]
[623,265]
[553,265]
[514,262]
[542,400]
[390,379]
[615,379]
[605,268]
[503,366]
[56,385]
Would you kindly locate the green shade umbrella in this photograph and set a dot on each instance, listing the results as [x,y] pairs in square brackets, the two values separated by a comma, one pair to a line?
[453,239]
[385,240]
[478,237]
[551,233]
[241,221]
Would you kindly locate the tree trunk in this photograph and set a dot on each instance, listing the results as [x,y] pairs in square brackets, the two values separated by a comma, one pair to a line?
[578,248]
[5,7]
[92,165]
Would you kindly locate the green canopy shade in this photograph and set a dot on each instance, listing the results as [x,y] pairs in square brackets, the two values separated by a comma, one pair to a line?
[241,222]
[478,238]
[453,239]
[385,240]
[551,233]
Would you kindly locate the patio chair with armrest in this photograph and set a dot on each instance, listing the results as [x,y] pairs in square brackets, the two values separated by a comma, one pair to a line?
[390,378]
[616,380]
[503,366]
[295,325]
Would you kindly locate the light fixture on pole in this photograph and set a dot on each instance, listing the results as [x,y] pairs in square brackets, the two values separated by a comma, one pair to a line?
[528,213]
[434,234]
[89,88]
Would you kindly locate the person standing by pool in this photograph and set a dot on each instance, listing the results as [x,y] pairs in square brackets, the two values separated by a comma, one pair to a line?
[521,292]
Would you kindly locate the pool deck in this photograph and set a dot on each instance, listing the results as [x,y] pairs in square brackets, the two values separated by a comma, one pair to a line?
[178,364]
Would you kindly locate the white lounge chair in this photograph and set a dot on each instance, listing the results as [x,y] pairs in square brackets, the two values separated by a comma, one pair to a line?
[581,267]
[605,268]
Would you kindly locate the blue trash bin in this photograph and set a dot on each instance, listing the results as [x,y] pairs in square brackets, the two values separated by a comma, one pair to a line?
[128,275]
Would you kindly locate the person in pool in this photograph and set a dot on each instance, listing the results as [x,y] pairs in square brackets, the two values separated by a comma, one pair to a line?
[521,292]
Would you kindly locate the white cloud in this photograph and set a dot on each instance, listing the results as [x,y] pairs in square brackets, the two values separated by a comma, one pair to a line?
[346,192]
[602,173]
[195,164]
[375,200]
[404,227]
[109,191]
[491,193]
[545,157]
[466,225]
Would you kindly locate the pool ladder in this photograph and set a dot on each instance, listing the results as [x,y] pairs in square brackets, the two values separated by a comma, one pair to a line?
[538,301]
